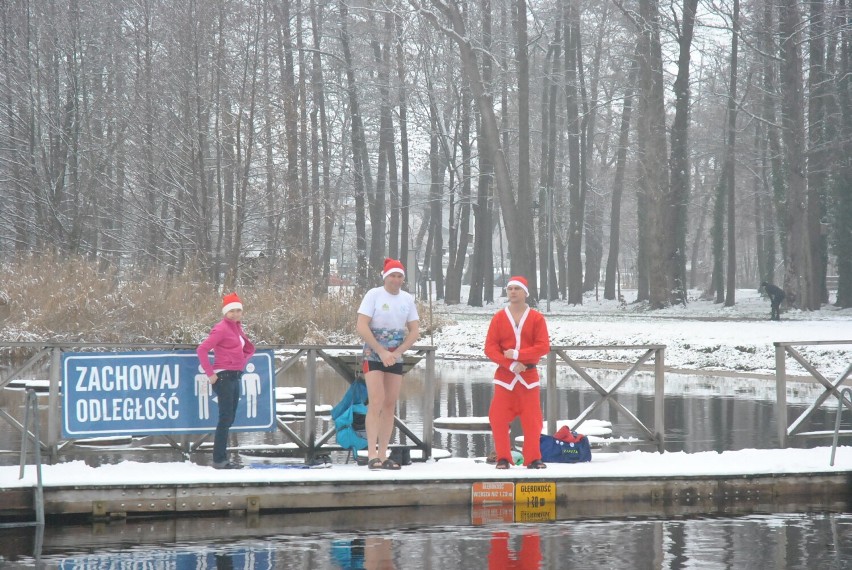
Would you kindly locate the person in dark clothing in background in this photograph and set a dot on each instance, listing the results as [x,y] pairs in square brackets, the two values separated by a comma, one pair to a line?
[776,296]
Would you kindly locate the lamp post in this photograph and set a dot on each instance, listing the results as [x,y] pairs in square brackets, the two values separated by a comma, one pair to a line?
[341,231]
[548,197]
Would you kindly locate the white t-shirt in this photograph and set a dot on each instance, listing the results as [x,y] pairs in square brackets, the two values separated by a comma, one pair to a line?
[387,311]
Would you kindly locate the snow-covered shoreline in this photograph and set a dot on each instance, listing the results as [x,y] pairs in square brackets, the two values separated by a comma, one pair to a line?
[703,336]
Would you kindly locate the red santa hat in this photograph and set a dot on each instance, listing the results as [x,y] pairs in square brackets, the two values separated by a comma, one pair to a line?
[392,266]
[519,281]
[231,302]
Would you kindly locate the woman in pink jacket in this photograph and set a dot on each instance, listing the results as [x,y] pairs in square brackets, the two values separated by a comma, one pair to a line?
[232,350]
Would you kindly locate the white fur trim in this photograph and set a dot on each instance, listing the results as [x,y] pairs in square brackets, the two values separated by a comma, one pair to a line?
[231,307]
[519,284]
[393,270]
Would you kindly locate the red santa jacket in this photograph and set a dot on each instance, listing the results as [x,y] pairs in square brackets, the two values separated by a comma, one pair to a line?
[530,339]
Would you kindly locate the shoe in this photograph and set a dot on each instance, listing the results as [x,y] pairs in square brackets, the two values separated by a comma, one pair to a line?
[374,463]
[537,464]
[226,465]
[503,464]
[390,464]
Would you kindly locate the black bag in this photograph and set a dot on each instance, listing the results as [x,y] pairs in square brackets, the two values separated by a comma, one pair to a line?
[401,455]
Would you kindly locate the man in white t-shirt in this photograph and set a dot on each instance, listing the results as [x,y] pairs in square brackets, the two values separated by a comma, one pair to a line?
[389,324]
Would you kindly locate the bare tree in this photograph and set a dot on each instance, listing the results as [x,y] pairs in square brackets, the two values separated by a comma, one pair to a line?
[798,281]
[518,236]
[679,160]
[618,184]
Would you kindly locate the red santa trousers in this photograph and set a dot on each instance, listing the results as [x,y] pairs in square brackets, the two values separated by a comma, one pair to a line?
[506,405]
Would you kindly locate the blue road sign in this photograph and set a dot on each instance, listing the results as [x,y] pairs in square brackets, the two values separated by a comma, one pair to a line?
[157,393]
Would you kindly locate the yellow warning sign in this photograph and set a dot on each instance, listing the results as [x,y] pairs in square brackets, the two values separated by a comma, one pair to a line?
[535,495]
[485,493]
[535,502]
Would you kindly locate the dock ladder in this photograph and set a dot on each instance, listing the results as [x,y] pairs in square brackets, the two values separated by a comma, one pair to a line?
[27,434]
[845,399]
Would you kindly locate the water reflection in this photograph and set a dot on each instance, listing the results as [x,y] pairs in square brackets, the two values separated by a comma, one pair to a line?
[526,557]
[783,542]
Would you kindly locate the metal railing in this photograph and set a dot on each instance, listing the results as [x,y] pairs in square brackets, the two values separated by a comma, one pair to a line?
[308,443]
[607,394]
[32,435]
[796,428]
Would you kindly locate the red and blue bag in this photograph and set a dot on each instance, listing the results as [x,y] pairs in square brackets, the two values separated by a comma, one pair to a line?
[565,446]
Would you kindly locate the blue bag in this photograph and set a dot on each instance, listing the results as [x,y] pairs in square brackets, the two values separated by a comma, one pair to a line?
[557,451]
[349,415]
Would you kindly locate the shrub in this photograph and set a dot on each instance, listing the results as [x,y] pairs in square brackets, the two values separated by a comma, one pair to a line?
[65,300]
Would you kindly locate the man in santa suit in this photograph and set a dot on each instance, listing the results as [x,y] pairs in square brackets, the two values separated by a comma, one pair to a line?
[517,339]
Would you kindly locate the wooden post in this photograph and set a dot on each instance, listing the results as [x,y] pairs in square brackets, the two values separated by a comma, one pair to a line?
[429,402]
[660,397]
[781,392]
[552,399]
[53,427]
[310,401]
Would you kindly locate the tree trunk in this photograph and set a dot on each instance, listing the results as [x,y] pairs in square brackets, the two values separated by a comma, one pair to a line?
[618,185]
[525,201]
[798,281]
[595,201]
[436,194]
[730,153]
[319,130]
[378,205]
[661,247]
[818,153]
[404,206]
[575,220]
[549,286]
[843,185]
[458,254]
[359,169]
[679,162]
[293,223]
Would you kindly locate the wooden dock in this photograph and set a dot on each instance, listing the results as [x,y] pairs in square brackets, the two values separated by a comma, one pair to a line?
[582,490]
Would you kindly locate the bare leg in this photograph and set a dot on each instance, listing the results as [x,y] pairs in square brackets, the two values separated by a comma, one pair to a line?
[376,396]
[392,384]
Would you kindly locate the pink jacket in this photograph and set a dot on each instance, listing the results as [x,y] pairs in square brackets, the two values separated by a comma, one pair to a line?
[231,348]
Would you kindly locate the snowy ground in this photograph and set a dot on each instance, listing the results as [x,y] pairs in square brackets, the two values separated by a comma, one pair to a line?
[603,465]
[703,336]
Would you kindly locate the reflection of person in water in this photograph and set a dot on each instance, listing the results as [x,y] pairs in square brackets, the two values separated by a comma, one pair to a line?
[378,553]
[224,561]
[348,554]
[370,553]
[502,557]
[776,297]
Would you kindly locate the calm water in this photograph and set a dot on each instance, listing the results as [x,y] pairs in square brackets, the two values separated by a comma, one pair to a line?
[702,414]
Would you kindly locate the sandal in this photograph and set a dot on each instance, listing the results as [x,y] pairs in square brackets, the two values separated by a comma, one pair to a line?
[390,464]
[374,463]
[537,464]
[503,464]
